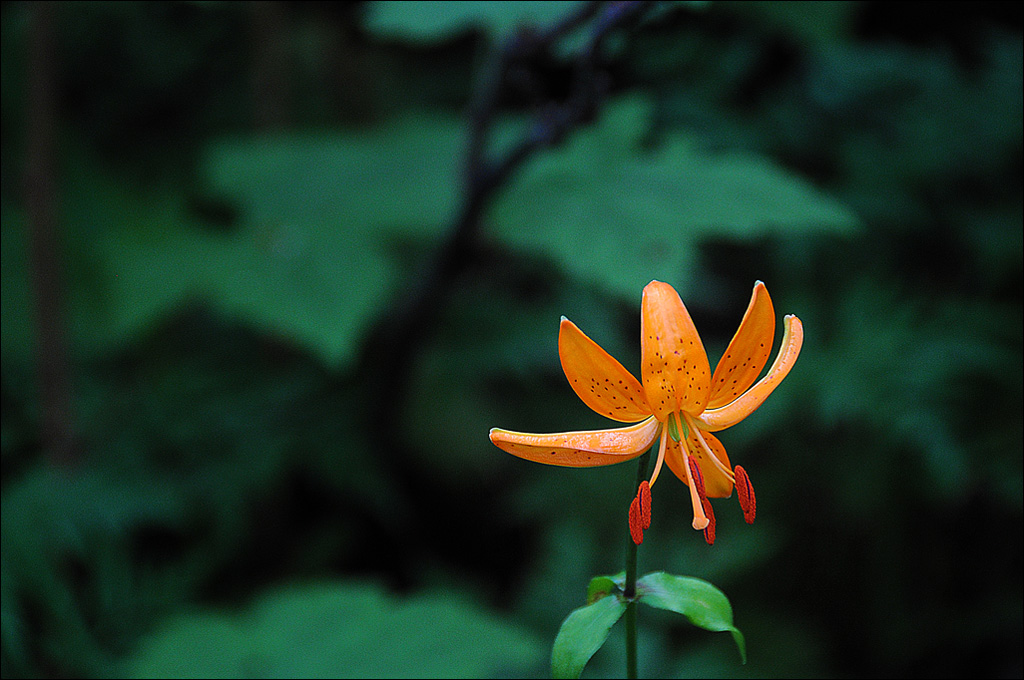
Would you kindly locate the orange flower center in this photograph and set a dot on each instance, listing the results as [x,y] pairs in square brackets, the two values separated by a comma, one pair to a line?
[703,515]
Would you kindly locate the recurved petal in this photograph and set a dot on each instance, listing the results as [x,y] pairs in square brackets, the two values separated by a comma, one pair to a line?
[598,378]
[675,371]
[748,402]
[717,483]
[748,351]
[580,449]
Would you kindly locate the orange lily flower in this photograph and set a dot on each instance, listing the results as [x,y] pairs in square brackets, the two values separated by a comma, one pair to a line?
[679,404]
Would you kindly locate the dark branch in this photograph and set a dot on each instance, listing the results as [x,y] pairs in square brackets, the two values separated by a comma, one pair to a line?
[396,343]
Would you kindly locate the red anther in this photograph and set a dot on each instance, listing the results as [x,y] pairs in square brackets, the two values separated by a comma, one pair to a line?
[709,530]
[636,529]
[644,494]
[745,493]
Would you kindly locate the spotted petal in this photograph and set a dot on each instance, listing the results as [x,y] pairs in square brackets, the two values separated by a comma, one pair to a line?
[598,378]
[580,449]
[748,351]
[717,419]
[675,368]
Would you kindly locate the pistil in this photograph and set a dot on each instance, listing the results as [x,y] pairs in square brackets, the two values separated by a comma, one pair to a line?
[700,520]
[698,477]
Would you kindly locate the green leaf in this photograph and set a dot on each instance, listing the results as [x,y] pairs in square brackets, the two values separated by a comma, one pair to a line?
[321,217]
[340,630]
[433,21]
[401,174]
[613,213]
[313,257]
[582,634]
[131,255]
[601,586]
[703,604]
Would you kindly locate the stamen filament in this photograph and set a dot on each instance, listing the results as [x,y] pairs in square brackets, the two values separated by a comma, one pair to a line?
[661,456]
[722,467]
[709,530]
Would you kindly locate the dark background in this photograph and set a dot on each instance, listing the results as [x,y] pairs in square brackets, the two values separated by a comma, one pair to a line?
[251,351]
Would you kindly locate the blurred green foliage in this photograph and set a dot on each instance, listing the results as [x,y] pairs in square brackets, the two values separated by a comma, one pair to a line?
[340,631]
[673,196]
[435,21]
[234,511]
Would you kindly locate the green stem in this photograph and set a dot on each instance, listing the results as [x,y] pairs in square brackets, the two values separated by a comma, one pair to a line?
[630,589]
[631,612]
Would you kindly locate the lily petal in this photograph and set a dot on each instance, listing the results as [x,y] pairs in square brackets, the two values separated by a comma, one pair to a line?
[748,351]
[717,419]
[598,378]
[580,449]
[717,483]
[675,371]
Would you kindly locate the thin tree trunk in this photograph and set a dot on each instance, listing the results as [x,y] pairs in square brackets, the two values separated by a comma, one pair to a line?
[270,64]
[45,264]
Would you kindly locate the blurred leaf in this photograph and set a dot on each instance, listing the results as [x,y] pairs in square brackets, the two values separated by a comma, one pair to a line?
[313,260]
[339,630]
[703,604]
[582,634]
[902,362]
[814,25]
[319,217]
[909,118]
[612,213]
[53,522]
[131,256]
[136,255]
[432,21]
[401,174]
